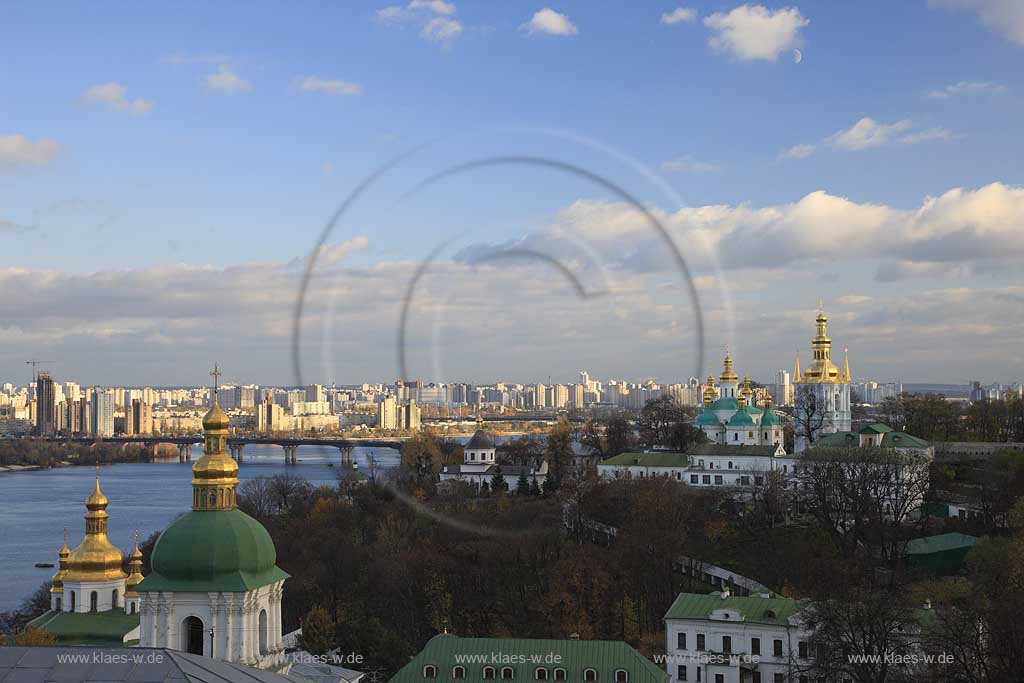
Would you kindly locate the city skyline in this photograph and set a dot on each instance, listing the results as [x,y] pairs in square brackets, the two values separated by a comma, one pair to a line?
[877,174]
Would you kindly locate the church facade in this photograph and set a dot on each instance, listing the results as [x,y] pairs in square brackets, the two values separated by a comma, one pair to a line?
[215,588]
[821,393]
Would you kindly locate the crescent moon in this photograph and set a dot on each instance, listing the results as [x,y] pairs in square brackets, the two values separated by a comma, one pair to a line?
[798,56]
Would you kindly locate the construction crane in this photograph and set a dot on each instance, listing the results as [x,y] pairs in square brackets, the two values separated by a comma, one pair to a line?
[34,362]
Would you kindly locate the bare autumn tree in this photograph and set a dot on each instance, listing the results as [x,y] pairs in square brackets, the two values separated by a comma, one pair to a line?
[808,415]
[771,501]
[837,486]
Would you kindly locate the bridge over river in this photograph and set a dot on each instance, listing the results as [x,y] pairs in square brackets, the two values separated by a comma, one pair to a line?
[237,444]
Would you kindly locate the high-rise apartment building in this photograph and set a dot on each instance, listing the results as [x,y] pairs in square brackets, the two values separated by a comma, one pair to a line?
[46,405]
[102,413]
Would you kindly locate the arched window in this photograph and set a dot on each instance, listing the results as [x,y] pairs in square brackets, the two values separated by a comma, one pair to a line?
[263,632]
[93,601]
[488,673]
[541,674]
[113,599]
[72,601]
[590,675]
[507,673]
[459,672]
[58,603]
[560,674]
[192,635]
[430,671]
[730,464]
[621,676]
[132,608]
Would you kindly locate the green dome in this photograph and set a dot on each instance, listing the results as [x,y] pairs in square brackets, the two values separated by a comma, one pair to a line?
[725,404]
[741,418]
[770,418]
[707,418]
[222,550]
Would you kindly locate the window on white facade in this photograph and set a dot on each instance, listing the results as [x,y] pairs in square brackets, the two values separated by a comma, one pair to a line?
[488,673]
[680,641]
[681,672]
[694,479]
[700,642]
[560,674]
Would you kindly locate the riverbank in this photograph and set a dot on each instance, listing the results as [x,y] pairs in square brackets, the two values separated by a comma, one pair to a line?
[35,468]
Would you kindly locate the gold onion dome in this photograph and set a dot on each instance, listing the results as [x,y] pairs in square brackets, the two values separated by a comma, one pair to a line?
[134,567]
[95,558]
[728,375]
[822,370]
[746,392]
[215,475]
[62,567]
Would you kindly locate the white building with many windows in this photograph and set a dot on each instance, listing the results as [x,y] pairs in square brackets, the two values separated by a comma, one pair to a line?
[723,638]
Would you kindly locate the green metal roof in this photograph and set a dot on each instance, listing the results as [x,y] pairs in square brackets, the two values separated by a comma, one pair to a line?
[606,656]
[707,417]
[213,550]
[770,418]
[652,459]
[741,418]
[939,543]
[876,428]
[87,628]
[753,608]
[725,404]
[725,449]
[890,438]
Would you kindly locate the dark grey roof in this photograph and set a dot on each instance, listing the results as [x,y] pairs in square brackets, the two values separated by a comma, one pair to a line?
[506,470]
[480,440]
[128,665]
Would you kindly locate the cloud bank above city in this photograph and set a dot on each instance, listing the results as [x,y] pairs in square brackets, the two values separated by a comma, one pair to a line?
[161,196]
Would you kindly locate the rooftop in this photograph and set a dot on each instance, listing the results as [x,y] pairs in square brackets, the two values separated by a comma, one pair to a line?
[572,655]
[87,628]
[725,449]
[939,543]
[24,664]
[754,608]
[651,459]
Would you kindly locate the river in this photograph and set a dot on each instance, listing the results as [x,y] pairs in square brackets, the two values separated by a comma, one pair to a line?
[36,506]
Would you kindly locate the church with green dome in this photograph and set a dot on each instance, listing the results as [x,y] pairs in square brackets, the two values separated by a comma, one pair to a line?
[215,588]
[730,416]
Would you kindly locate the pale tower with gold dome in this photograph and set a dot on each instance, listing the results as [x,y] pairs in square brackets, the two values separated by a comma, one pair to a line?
[821,393]
[90,576]
[215,588]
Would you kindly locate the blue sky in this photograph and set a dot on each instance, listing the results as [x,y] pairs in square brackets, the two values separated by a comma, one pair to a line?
[157,157]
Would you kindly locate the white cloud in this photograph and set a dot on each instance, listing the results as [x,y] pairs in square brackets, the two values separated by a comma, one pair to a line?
[967,88]
[752,32]
[801,151]
[678,15]
[435,19]
[867,133]
[1002,16]
[853,300]
[689,164]
[550,22]
[928,135]
[328,86]
[225,80]
[18,151]
[435,6]
[113,95]
[441,30]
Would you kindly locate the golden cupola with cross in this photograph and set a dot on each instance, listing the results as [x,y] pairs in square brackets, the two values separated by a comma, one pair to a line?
[215,475]
[95,558]
[822,370]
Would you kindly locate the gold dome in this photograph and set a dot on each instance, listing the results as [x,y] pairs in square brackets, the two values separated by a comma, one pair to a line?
[822,370]
[134,567]
[57,585]
[215,475]
[216,419]
[728,375]
[95,558]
